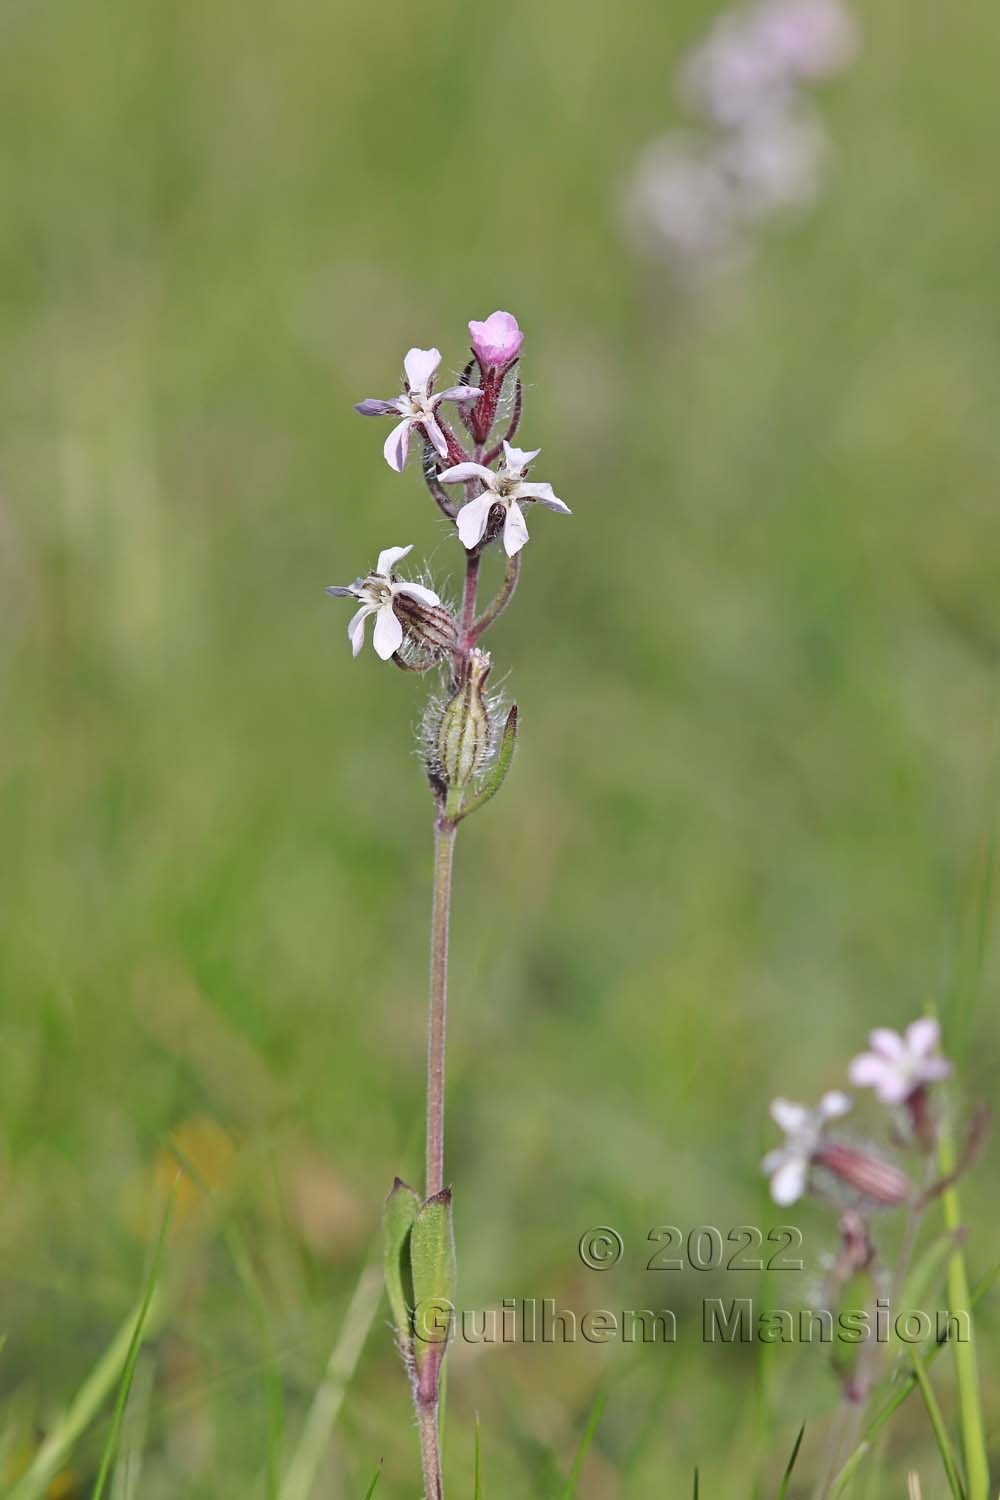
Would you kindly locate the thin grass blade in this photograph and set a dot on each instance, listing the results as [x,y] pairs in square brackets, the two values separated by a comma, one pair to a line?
[937,1423]
[569,1489]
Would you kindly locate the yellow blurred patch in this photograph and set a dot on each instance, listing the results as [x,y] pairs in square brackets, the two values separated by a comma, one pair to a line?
[203,1147]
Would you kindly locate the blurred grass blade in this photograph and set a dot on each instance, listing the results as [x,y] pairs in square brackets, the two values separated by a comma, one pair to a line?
[696,1489]
[369,1492]
[117,1364]
[326,1404]
[843,1479]
[477,1470]
[128,1465]
[125,1384]
[908,1386]
[937,1423]
[786,1478]
[959,1302]
[239,1254]
[569,1489]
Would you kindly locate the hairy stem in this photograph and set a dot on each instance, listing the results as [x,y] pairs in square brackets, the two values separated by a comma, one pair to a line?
[430,1450]
[444,848]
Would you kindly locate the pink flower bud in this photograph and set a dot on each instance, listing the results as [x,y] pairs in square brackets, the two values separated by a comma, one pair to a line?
[496,343]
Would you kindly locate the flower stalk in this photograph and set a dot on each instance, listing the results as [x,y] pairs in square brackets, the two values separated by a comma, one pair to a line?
[468,745]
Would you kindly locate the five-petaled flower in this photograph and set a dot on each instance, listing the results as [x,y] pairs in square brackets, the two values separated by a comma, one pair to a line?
[417,406]
[788,1165]
[897,1066]
[496,342]
[507,487]
[377,593]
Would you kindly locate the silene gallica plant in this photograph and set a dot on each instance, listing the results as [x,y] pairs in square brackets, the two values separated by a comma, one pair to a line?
[464,436]
[866,1183]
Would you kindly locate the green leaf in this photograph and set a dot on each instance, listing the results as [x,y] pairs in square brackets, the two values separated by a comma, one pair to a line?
[401,1208]
[432,1265]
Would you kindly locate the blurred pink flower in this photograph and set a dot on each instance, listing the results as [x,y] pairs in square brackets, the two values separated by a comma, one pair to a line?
[417,406]
[497,341]
[897,1066]
[788,1165]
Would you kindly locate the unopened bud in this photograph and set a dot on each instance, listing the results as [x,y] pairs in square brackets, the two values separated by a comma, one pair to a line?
[465,731]
[430,627]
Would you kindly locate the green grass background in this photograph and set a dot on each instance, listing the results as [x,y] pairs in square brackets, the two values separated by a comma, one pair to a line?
[752,809]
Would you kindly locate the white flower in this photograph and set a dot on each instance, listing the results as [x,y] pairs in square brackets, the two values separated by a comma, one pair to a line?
[788,1166]
[505,486]
[377,593]
[416,406]
[898,1065]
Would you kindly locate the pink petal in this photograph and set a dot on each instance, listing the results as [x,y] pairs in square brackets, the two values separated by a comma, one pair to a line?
[923,1036]
[869,1071]
[397,445]
[497,340]
[472,518]
[459,393]
[420,365]
[889,1043]
[436,436]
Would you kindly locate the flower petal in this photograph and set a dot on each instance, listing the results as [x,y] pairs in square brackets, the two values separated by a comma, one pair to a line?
[388,559]
[436,436]
[518,458]
[372,407]
[420,365]
[887,1042]
[515,529]
[497,339]
[924,1036]
[426,596]
[833,1104]
[869,1071]
[459,393]
[789,1181]
[545,495]
[472,518]
[356,627]
[458,472]
[787,1116]
[388,634]
[338,592]
[397,445]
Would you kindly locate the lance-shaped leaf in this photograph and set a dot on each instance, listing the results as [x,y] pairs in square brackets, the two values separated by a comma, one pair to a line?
[498,773]
[432,1265]
[401,1207]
